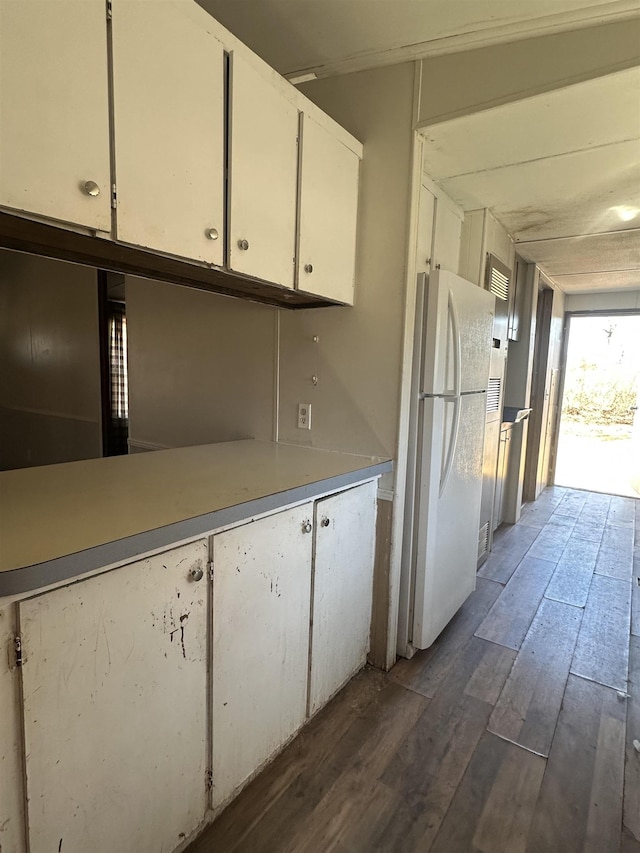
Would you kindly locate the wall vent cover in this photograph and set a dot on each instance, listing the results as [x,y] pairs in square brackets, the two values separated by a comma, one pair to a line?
[498,278]
[493,395]
[483,541]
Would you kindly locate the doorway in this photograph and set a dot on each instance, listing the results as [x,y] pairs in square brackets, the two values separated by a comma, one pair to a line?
[599,435]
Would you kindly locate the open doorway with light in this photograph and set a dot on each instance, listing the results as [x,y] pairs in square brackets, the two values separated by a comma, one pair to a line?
[599,434]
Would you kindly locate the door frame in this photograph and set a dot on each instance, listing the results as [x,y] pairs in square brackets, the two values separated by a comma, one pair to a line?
[539,390]
[566,331]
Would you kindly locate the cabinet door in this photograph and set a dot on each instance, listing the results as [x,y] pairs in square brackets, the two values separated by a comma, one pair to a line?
[115,700]
[264,176]
[261,601]
[168,78]
[54,134]
[342,589]
[328,215]
[447,237]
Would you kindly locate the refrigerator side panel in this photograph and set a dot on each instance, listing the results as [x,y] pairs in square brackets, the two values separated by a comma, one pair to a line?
[448,513]
[431,425]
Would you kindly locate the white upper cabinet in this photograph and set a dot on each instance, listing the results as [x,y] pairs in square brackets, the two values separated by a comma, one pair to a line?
[328,214]
[168,80]
[54,128]
[154,126]
[263,175]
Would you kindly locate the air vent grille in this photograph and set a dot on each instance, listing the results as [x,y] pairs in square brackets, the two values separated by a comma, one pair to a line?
[493,395]
[483,541]
[499,284]
[497,278]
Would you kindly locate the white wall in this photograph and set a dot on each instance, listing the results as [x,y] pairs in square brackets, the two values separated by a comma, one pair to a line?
[50,406]
[201,366]
[358,357]
[461,83]
[613,301]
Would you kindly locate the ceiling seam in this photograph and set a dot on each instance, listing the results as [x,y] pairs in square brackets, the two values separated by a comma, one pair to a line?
[514,165]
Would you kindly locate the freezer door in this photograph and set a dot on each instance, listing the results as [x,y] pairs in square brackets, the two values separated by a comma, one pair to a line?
[448,511]
[457,335]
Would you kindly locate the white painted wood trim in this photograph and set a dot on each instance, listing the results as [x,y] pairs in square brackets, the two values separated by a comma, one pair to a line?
[395,562]
[492,35]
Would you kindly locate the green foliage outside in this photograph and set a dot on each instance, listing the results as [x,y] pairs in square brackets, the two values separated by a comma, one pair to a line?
[595,397]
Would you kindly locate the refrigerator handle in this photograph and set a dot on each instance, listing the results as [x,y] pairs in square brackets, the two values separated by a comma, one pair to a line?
[457,388]
[453,440]
[457,346]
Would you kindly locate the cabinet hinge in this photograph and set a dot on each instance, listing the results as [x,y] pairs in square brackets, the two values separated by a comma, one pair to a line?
[17,647]
[109,10]
[210,569]
[114,196]
[208,776]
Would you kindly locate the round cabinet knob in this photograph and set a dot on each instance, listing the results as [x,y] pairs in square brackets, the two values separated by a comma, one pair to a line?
[243,244]
[308,268]
[91,188]
[196,573]
[325,521]
[212,233]
[306,527]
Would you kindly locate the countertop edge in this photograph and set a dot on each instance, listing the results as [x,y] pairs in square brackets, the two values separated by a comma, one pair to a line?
[31,578]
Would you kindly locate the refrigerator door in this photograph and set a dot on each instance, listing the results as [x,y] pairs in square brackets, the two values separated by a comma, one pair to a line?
[448,511]
[458,335]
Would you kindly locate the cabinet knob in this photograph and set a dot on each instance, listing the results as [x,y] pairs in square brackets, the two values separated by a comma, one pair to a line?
[325,521]
[306,527]
[308,267]
[196,573]
[212,233]
[243,244]
[91,188]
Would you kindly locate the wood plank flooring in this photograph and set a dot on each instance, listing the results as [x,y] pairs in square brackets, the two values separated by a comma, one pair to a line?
[513,733]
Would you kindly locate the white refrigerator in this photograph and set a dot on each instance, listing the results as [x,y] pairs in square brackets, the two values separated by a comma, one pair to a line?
[449,422]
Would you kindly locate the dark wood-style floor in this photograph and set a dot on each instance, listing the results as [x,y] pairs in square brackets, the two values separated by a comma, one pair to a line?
[514,732]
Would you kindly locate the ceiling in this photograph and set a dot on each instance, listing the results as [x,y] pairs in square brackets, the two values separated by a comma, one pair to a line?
[561,171]
[336,36]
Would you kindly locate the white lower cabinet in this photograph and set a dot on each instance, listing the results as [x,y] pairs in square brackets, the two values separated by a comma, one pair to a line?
[342,589]
[142,685]
[261,602]
[114,682]
[275,592]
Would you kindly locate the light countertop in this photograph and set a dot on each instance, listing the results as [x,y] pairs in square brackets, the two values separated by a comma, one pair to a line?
[61,521]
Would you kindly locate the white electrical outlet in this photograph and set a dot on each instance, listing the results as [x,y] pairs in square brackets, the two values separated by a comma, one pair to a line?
[304,415]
